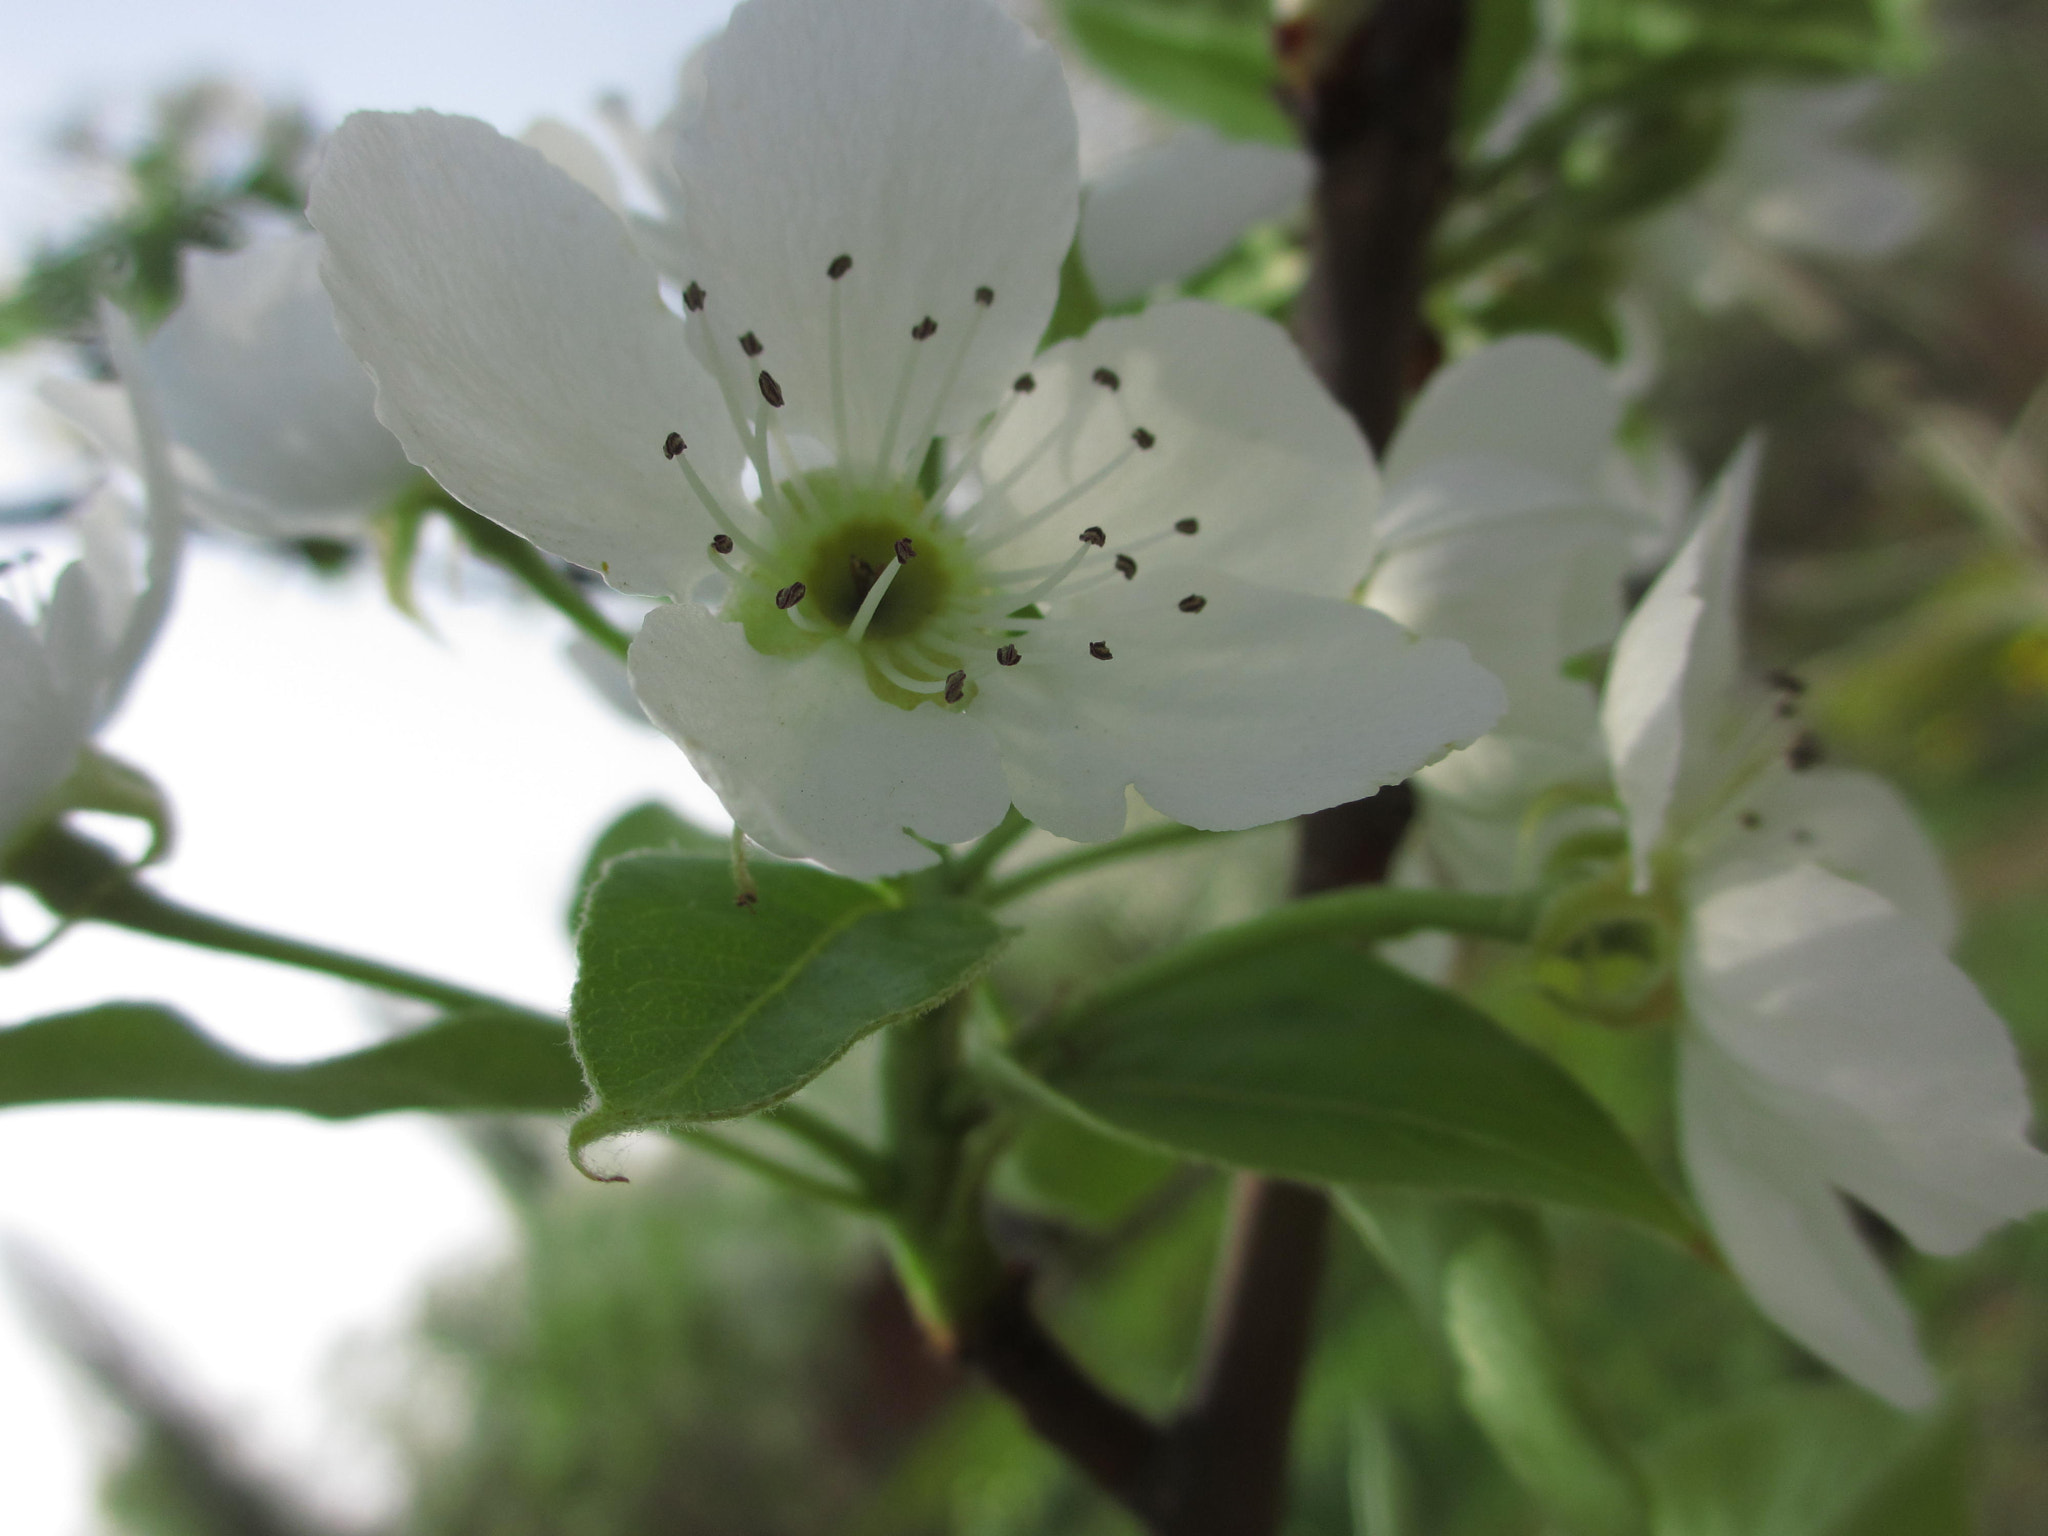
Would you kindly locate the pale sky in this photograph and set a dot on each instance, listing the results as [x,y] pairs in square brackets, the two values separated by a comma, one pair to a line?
[337,773]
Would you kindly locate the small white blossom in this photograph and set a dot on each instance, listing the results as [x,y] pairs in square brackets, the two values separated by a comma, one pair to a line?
[1132,568]
[1497,531]
[270,419]
[1833,1045]
[66,661]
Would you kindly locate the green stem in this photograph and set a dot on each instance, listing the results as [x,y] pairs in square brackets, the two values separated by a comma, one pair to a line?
[849,1152]
[542,576]
[84,882]
[1062,866]
[777,1171]
[972,867]
[1365,912]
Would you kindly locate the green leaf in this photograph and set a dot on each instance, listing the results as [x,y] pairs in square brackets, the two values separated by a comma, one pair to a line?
[1502,33]
[1516,1378]
[1209,60]
[1806,1461]
[474,1060]
[1314,1060]
[647,827]
[689,1007]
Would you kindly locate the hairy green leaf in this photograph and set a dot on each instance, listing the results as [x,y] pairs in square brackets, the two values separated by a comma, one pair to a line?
[475,1060]
[689,1007]
[1315,1060]
[1209,60]
[647,827]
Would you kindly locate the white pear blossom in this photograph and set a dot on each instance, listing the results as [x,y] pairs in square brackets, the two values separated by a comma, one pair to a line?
[1129,565]
[270,420]
[1498,531]
[66,661]
[1833,1048]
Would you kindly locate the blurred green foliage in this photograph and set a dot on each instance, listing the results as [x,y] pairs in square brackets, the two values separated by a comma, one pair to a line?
[209,157]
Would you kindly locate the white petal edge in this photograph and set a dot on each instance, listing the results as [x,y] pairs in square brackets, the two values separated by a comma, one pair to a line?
[804,755]
[1676,663]
[520,350]
[1788,1236]
[1847,1013]
[1169,210]
[1263,705]
[1534,401]
[1244,440]
[930,140]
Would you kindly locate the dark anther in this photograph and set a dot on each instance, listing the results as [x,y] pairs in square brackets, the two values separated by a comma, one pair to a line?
[841,265]
[1805,752]
[1099,649]
[1194,602]
[863,575]
[1008,656]
[925,329]
[750,344]
[746,898]
[1127,566]
[1025,384]
[956,684]
[673,444]
[904,551]
[1786,682]
[770,390]
[984,297]
[721,543]
[790,595]
[1187,525]
[693,298]
[1751,821]
[1107,379]
[1143,438]
[1094,536]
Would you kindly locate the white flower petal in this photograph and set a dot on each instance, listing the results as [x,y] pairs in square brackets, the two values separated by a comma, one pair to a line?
[46,712]
[1789,1238]
[520,351]
[1901,1078]
[1676,668]
[1532,401]
[1245,442]
[572,153]
[804,755]
[256,384]
[1263,705]
[1850,823]
[1169,210]
[931,141]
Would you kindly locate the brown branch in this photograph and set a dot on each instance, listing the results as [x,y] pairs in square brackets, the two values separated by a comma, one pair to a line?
[1378,117]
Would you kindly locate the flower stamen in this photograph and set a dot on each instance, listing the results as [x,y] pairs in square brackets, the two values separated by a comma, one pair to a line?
[873,601]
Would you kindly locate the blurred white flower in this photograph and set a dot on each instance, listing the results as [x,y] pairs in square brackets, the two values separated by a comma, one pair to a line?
[1833,1045]
[66,662]
[1498,531]
[1133,566]
[1163,213]
[1793,181]
[270,421]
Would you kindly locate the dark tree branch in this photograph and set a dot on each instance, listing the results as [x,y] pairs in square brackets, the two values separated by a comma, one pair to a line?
[1378,117]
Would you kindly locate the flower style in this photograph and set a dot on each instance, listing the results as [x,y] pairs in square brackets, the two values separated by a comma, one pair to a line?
[1833,1045]
[1496,532]
[66,664]
[270,420]
[1128,562]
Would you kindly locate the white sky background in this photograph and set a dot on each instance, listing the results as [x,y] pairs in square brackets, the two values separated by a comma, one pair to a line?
[337,773]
